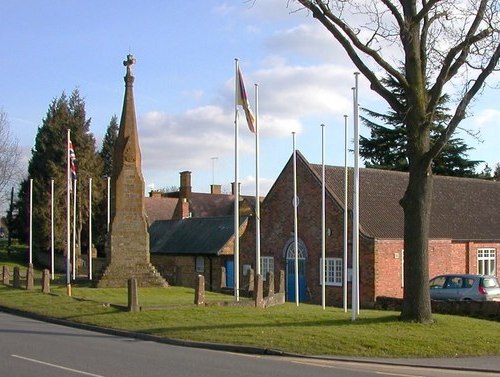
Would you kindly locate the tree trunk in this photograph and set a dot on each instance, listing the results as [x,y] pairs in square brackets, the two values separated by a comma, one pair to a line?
[417,208]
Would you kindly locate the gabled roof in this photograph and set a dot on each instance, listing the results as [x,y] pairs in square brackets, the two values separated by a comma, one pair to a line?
[462,208]
[192,236]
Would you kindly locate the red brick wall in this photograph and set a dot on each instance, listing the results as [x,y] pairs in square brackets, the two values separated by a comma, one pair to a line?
[277,225]
[388,268]
[445,257]
[380,260]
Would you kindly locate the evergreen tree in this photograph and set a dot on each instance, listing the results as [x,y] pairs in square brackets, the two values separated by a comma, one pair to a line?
[49,161]
[496,173]
[387,147]
[101,211]
[108,146]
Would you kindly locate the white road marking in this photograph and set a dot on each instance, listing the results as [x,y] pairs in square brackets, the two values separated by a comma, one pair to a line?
[57,366]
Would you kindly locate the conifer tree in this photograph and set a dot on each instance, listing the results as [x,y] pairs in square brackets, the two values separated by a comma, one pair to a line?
[49,161]
[101,211]
[108,145]
[387,146]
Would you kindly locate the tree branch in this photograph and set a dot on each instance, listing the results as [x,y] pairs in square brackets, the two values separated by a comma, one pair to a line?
[451,64]
[340,30]
[463,104]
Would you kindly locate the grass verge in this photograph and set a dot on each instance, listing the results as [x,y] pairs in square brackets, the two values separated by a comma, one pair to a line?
[306,329]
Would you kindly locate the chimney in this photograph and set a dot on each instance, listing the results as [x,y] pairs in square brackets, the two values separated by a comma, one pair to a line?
[155,194]
[185,188]
[182,209]
[215,189]
[233,191]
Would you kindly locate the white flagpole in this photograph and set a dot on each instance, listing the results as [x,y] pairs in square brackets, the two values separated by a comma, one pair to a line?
[74,229]
[295,222]
[323,222]
[346,211]
[236,191]
[257,190]
[355,212]
[108,179]
[31,222]
[90,228]
[52,228]
[68,209]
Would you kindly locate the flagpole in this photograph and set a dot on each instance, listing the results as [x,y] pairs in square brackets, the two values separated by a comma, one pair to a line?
[74,229]
[31,222]
[355,212]
[346,211]
[323,222]
[90,228]
[257,189]
[236,191]
[52,228]
[108,179]
[295,221]
[68,202]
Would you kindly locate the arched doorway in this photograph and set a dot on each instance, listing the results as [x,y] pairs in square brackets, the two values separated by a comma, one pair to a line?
[290,270]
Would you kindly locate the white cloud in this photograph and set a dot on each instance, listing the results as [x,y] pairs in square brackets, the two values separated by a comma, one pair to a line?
[298,91]
[310,41]
[248,185]
[486,117]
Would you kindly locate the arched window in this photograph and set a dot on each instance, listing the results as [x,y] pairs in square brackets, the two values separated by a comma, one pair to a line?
[290,250]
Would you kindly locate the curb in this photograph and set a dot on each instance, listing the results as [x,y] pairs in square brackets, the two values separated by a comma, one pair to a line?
[237,348]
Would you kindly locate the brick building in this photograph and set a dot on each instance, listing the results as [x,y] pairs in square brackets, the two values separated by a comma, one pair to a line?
[192,233]
[464,232]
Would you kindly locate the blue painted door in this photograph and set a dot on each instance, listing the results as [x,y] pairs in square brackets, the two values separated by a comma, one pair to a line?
[290,280]
[229,264]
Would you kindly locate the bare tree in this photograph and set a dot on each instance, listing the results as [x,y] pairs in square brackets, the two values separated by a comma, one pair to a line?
[429,47]
[10,158]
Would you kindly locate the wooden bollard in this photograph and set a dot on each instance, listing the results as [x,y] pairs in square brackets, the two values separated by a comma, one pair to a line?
[269,286]
[30,280]
[5,275]
[46,281]
[259,291]
[133,299]
[281,286]
[199,291]
[223,277]
[17,278]
[251,281]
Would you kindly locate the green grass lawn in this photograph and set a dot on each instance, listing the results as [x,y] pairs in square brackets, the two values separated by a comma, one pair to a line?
[307,329]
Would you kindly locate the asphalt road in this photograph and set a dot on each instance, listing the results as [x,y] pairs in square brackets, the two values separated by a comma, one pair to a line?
[33,348]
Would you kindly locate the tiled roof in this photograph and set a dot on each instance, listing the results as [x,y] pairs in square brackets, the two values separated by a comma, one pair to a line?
[210,205]
[462,208]
[159,208]
[191,236]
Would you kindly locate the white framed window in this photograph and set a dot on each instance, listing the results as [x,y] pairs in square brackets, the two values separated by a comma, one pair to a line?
[333,271]
[486,261]
[266,265]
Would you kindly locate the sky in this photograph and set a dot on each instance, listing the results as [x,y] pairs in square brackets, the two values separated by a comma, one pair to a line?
[185,55]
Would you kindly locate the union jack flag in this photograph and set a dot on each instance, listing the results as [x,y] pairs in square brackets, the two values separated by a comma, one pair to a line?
[72,160]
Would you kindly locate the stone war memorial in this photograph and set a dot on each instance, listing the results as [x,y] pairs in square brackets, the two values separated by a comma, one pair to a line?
[127,243]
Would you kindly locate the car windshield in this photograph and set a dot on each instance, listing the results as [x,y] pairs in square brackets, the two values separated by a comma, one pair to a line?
[490,282]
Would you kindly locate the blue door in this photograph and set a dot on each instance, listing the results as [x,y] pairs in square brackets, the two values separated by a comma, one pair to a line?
[290,280]
[229,264]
